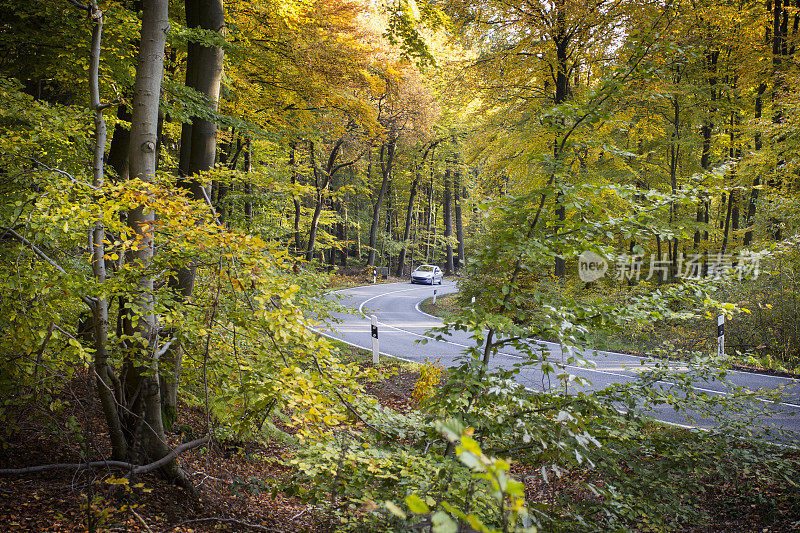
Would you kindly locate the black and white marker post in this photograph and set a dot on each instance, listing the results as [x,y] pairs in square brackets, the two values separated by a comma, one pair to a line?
[375,349]
[374,275]
[434,296]
[721,336]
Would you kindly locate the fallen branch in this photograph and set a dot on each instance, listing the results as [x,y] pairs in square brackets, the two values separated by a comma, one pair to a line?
[141,520]
[229,521]
[132,468]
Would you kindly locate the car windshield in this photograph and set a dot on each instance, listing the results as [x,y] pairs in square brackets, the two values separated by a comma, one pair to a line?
[425,268]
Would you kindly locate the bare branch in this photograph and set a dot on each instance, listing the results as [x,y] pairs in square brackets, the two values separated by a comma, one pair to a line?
[134,469]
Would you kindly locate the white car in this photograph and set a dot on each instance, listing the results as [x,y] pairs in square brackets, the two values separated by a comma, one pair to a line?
[428,274]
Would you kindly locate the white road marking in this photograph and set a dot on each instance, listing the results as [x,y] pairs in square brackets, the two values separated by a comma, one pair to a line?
[548,343]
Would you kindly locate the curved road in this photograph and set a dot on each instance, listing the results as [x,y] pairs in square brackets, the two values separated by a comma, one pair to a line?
[401,324]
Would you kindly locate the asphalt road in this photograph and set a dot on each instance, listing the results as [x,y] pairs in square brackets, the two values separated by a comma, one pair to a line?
[401,324]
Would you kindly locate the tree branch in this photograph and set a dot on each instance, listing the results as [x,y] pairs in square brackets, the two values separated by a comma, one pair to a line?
[9,231]
[134,469]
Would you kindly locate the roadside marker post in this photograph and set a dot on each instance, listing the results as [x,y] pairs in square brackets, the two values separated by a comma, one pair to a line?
[473,302]
[434,296]
[374,275]
[721,336]
[375,349]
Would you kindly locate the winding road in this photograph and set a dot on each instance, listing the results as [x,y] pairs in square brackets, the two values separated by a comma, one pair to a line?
[401,324]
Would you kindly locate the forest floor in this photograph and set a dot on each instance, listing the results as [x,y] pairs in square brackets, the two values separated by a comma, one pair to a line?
[238,483]
[234,480]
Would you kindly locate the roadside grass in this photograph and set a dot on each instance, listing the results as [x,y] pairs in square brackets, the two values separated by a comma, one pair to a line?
[446,306]
[654,339]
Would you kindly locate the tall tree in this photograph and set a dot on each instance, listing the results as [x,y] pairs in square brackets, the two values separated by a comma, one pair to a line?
[141,380]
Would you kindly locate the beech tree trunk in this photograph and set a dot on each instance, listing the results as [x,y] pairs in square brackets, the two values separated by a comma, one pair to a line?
[322,178]
[387,159]
[401,259]
[458,190]
[198,153]
[448,223]
[248,185]
[120,145]
[758,144]
[561,40]
[106,391]
[142,392]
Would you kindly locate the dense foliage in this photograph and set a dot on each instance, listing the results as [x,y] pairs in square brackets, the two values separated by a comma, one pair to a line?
[179,261]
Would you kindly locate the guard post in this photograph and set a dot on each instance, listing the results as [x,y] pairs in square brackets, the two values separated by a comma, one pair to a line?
[434,296]
[375,348]
[721,336]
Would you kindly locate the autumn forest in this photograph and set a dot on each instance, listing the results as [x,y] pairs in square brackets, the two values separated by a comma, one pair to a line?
[190,188]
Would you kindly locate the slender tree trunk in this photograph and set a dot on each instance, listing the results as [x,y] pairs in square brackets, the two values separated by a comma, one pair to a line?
[343,237]
[758,143]
[322,179]
[732,213]
[429,217]
[248,185]
[298,208]
[448,223]
[706,132]
[386,169]
[459,222]
[103,379]
[674,151]
[563,92]
[229,158]
[412,196]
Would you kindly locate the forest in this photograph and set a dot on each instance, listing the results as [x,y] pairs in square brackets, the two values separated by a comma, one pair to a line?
[186,184]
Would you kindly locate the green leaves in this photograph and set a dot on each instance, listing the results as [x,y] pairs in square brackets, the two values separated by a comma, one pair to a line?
[416,505]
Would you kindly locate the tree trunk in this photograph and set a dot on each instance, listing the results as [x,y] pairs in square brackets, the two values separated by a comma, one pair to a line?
[343,236]
[460,260]
[322,178]
[192,68]
[412,196]
[198,153]
[142,387]
[386,170]
[298,208]
[203,74]
[429,217]
[448,223]
[674,151]
[758,144]
[103,381]
[732,213]
[561,40]
[248,185]
[120,145]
